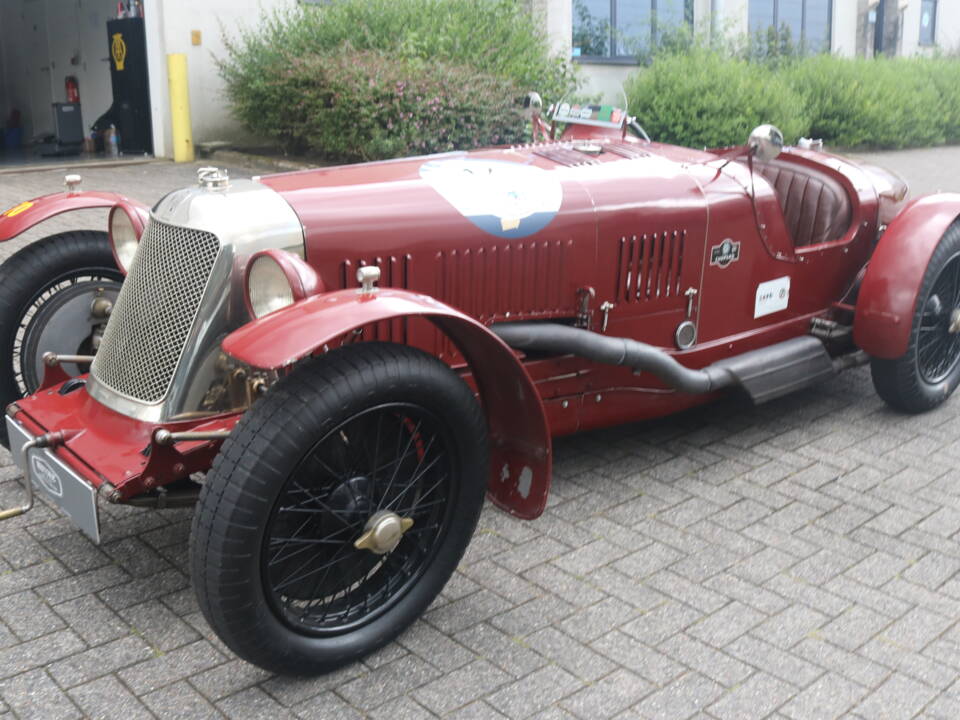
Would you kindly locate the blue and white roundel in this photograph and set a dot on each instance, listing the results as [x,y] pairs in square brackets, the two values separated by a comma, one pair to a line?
[505,199]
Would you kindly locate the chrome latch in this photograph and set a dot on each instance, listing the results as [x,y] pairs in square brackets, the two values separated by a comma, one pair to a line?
[605,308]
[691,293]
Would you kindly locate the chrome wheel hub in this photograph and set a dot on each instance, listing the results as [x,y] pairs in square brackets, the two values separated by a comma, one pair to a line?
[383,532]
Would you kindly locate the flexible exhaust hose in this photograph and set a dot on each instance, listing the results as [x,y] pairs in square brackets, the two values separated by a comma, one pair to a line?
[558,339]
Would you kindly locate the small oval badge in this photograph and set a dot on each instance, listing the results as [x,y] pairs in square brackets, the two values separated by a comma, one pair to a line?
[45,476]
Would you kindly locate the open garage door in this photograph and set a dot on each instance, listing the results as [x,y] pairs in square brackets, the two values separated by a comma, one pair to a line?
[55,77]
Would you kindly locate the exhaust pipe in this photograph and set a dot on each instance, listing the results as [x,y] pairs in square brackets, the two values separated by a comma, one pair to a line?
[765,373]
[558,339]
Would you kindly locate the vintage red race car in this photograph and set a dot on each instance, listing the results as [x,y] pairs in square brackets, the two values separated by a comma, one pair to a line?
[335,365]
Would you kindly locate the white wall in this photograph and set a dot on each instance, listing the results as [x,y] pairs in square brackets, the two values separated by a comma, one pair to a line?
[844,32]
[948,25]
[169,27]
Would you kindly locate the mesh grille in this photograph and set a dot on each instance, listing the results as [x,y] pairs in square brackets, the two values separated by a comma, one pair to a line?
[153,314]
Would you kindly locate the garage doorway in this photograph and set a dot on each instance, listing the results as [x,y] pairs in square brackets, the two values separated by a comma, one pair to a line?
[55,81]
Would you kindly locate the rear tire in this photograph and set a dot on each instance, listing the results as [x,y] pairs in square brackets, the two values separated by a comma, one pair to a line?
[31,280]
[928,373]
[302,478]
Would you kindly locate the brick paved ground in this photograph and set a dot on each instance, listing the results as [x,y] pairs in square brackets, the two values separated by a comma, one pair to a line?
[798,560]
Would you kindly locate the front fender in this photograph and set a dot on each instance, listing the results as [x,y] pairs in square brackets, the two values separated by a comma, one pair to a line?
[888,296]
[24,216]
[520,451]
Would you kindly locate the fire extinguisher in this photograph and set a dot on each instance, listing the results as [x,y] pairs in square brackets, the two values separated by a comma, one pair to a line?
[73,89]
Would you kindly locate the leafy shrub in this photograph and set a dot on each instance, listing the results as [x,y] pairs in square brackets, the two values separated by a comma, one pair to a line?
[367,105]
[702,98]
[465,51]
[871,103]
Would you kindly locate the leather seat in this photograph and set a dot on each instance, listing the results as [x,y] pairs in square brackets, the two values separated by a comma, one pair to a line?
[815,207]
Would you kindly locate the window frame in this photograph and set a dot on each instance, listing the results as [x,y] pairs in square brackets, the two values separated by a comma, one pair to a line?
[688,9]
[803,23]
[922,41]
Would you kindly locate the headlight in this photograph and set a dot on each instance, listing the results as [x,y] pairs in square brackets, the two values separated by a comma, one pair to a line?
[276,279]
[125,227]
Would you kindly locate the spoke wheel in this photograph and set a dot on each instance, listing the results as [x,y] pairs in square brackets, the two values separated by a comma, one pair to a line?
[938,341]
[339,507]
[928,373]
[394,459]
[46,295]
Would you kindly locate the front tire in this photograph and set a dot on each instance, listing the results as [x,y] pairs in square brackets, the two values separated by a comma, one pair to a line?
[46,290]
[928,373]
[362,439]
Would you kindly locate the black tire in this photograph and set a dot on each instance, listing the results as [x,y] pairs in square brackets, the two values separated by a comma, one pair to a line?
[928,373]
[281,449]
[29,280]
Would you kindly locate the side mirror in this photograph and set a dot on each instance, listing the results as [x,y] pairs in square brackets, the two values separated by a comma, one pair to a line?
[765,143]
[532,105]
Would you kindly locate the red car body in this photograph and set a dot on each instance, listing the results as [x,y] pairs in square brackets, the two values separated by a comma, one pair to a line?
[645,237]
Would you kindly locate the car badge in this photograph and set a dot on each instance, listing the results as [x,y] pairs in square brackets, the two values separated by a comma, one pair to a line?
[45,476]
[725,253]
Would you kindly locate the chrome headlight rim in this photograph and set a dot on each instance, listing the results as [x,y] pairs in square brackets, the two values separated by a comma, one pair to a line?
[124,228]
[275,279]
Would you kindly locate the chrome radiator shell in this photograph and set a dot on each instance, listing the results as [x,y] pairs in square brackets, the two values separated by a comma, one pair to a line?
[183,295]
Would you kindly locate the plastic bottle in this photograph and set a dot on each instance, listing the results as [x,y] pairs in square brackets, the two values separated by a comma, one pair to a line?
[113,142]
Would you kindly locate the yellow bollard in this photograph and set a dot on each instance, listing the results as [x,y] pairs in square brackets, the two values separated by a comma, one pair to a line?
[180,108]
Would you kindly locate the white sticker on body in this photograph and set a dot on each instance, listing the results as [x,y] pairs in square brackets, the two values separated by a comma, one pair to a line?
[772,296]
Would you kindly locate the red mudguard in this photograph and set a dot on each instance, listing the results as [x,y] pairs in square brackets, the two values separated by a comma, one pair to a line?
[888,295]
[520,452]
[24,216]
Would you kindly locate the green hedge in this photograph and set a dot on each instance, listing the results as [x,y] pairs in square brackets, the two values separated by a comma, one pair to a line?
[701,99]
[706,98]
[324,79]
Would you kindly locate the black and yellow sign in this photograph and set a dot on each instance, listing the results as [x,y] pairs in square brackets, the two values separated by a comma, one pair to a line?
[118,49]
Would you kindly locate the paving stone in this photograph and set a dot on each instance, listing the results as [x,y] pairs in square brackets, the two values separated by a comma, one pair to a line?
[705,659]
[328,705]
[727,624]
[38,652]
[757,697]
[599,619]
[632,654]
[786,666]
[179,701]
[461,687]
[34,696]
[898,697]
[108,699]
[84,583]
[608,696]
[176,665]
[533,615]
[683,698]
[534,692]
[28,616]
[92,620]
[854,627]
[829,697]
[509,654]
[253,703]
[787,628]
[394,679]
[158,625]
[570,654]
[85,666]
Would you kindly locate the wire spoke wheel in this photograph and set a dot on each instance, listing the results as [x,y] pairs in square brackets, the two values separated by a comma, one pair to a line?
[938,341]
[339,507]
[392,460]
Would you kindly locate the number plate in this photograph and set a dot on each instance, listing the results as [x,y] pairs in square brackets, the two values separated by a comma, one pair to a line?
[56,481]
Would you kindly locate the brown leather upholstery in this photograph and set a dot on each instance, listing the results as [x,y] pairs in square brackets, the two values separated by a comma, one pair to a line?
[815,206]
